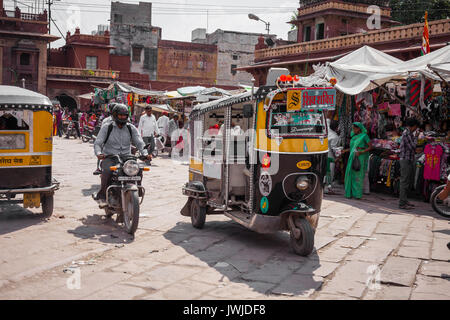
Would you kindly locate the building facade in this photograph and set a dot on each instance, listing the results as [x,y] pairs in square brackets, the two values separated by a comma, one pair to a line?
[235,49]
[23,49]
[84,63]
[186,62]
[133,35]
[403,42]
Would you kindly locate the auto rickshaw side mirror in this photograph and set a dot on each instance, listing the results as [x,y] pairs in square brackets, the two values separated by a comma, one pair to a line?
[248,110]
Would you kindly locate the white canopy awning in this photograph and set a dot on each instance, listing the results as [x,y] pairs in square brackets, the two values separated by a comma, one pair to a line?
[355,71]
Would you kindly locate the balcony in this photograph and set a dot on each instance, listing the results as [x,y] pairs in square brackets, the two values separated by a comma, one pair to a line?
[17,14]
[316,6]
[80,73]
[412,31]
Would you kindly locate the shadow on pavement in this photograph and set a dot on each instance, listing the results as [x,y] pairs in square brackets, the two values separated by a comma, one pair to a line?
[263,262]
[14,217]
[104,229]
[91,190]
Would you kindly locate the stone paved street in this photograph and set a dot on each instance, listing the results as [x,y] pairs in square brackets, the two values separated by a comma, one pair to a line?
[366,249]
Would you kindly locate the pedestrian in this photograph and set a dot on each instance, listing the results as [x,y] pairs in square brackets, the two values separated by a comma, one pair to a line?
[359,150]
[59,121]
[163,125]
[83,122]
[76,121]
[333,142]
[407,157]
[148,128]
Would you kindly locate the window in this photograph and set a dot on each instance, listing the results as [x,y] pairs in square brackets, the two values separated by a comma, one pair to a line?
[25,59]
[150,58]
[235,57]
[137,54]
[233,69]
[307,33]
[117,18]
[320,31]
[91,63]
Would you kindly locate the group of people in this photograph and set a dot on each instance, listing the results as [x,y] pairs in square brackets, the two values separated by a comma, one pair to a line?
[79,119]
[356,179]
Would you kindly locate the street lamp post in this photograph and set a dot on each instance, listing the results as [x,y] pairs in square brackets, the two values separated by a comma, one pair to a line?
[253,17]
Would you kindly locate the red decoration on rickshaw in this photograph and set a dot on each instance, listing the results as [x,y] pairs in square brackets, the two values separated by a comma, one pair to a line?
[283,78]
[265,163]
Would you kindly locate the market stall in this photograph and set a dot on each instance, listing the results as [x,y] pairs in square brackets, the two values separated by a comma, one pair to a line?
[381,91]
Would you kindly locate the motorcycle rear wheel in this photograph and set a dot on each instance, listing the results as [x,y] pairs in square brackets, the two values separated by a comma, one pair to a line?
[131,215]
[439,205]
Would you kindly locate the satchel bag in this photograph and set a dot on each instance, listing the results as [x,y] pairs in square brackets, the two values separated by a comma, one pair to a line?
[356,164]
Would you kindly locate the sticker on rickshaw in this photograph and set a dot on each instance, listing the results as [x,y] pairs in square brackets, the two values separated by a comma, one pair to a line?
[265,184]
[264,205]
[304,164]
[265,162]
[313,98]
[35,160]
[294,100]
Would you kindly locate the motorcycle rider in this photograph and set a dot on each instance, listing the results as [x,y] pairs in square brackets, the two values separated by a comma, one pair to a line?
[116,141]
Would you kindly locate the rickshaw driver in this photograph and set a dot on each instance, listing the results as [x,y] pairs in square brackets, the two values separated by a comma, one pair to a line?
[118,142]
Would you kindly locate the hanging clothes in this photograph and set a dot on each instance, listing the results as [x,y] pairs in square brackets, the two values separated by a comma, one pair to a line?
[433,153]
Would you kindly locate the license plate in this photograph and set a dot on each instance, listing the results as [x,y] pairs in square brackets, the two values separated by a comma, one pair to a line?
[31,200]
[137,178]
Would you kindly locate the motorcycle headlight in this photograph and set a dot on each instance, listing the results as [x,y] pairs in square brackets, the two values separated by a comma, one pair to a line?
[302,183]
[131,168]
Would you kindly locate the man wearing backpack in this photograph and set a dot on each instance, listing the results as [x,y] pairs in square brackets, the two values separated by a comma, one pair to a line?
[115,139]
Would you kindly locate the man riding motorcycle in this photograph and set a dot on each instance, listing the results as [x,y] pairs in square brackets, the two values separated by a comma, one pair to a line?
[115,139]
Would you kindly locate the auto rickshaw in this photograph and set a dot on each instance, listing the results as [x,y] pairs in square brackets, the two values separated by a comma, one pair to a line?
[26,125]
[265,167]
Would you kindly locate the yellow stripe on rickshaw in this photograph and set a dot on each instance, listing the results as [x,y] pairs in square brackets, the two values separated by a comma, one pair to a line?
[25,161]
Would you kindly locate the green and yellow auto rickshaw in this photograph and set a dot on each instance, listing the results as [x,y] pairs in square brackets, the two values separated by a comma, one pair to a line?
[261,159]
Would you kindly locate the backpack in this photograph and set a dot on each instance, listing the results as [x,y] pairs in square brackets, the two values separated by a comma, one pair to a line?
[110,127]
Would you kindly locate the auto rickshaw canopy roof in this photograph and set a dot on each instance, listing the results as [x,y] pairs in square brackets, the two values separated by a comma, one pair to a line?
[16,97]
[220,103]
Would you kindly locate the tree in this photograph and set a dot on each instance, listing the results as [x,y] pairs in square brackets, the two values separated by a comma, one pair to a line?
[413,11]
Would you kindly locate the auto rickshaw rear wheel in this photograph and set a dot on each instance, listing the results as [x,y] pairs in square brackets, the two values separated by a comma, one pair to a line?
[47,205]
[303,244]
[198,214]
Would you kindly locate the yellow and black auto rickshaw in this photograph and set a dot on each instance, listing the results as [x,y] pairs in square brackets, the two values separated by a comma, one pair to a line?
[26,125]
[261,159]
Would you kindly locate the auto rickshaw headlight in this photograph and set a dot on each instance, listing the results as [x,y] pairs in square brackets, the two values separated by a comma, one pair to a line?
[302,183]
[131,168]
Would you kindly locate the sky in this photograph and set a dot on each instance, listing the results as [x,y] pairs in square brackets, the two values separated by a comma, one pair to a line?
[177,18]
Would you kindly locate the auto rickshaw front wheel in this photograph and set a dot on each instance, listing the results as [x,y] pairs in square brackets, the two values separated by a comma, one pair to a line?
[198,214]
[302,235]
[47,205]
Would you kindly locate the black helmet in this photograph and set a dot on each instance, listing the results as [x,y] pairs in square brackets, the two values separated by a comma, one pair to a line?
[120,108]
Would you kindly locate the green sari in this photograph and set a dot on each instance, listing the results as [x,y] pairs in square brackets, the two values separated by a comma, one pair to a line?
[354,180]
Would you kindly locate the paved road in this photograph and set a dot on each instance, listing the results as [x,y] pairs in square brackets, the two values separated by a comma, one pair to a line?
[365,249]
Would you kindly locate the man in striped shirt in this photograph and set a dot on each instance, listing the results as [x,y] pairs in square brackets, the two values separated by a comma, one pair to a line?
[407,158]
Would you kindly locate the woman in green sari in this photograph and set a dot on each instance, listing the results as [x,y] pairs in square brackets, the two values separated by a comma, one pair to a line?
[359,147]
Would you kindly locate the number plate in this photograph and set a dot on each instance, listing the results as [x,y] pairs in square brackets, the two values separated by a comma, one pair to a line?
[136,178]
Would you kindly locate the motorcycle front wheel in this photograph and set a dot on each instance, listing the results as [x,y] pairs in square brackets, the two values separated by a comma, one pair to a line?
[441,207]
[131,215]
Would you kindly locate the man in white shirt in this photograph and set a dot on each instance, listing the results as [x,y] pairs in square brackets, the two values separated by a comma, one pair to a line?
[333,142]
[163,125]
[148,128]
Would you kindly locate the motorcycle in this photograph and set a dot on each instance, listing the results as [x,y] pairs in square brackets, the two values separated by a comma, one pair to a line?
[124,191]
[71,131]
[90,133]
[441,207]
